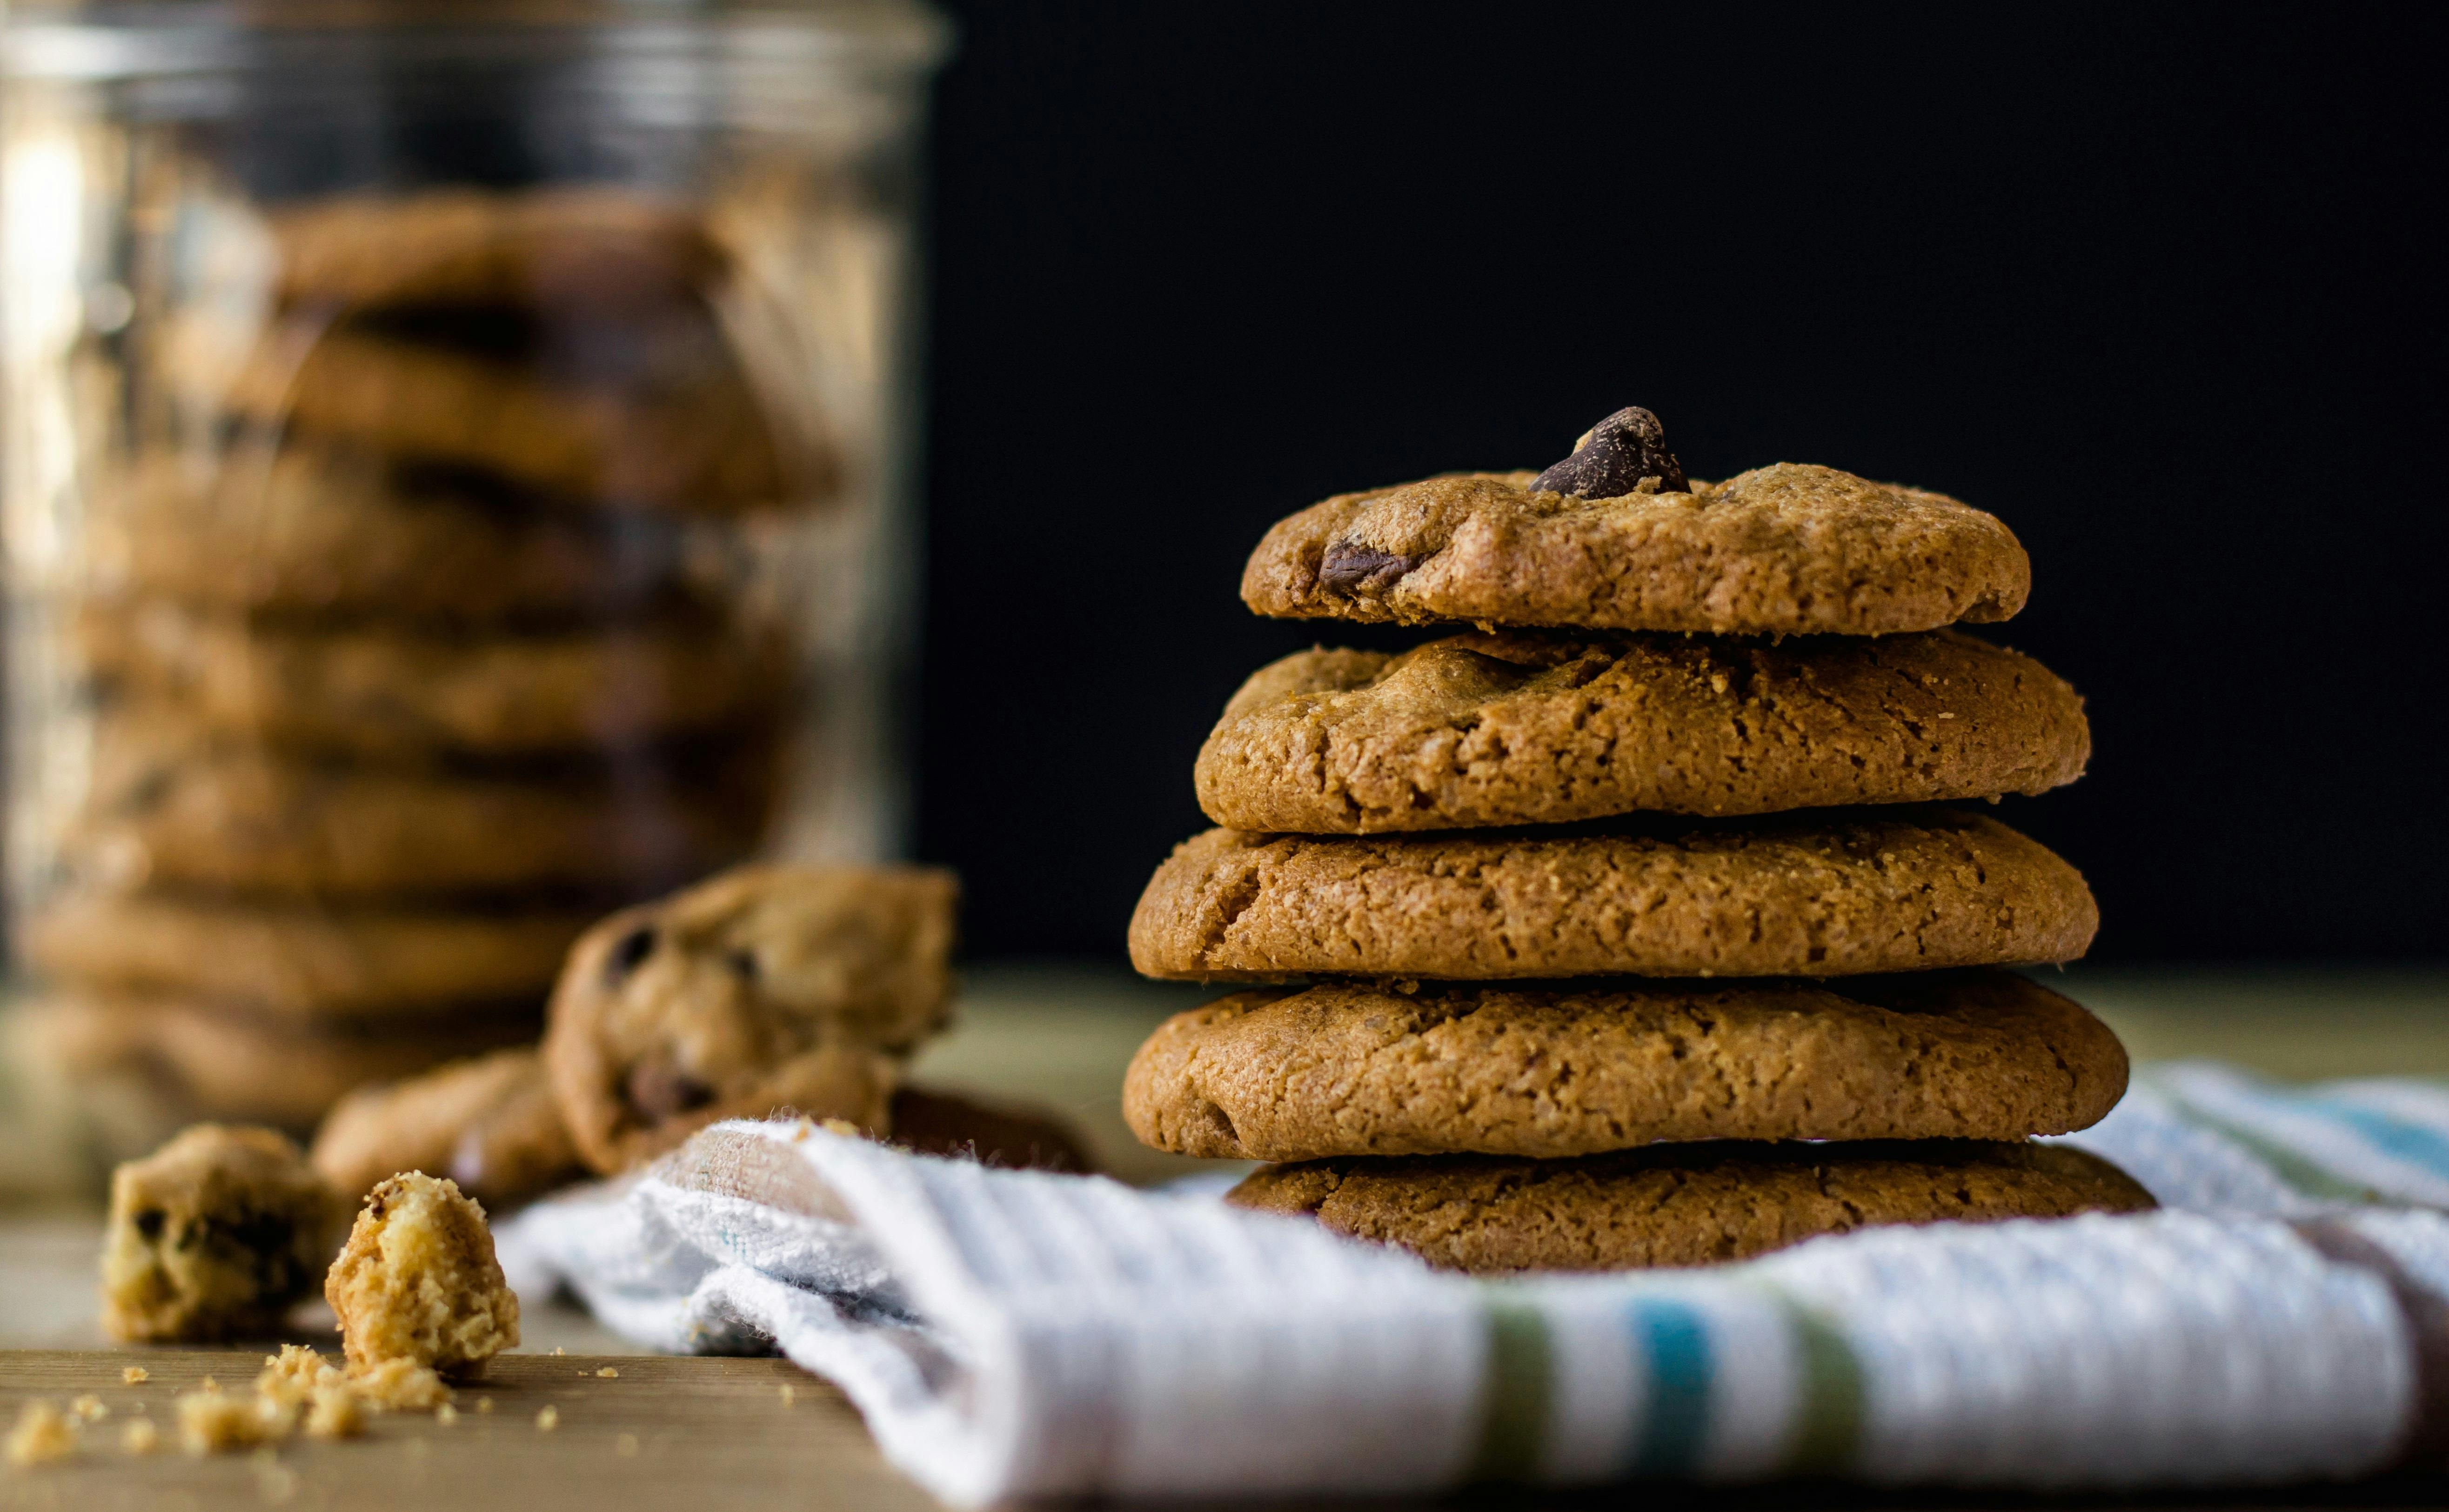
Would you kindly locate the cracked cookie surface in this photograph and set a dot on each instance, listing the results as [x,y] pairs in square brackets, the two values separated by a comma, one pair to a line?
[1790,548]
[1819,896]
[1554,1071]
[1689,1204]
[1529,728]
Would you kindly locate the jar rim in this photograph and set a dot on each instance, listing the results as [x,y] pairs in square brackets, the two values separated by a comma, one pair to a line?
[71,42]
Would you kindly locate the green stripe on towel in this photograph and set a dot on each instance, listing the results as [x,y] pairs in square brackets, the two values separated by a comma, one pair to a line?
[1514,1415]
[1828,1419]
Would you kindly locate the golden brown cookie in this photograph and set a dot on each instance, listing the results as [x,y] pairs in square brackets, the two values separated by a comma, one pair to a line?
[490,1124]
[583,246]
[1817,895]
[1526,728]
[390,693]
[1789,549]
[1015,1136]
[1681,1204]
[181,1060]
[215,1235]
[765,988]
[419,1282]
[329,532]
[1575,1069]
[165,813]
[657,416]
[305,963]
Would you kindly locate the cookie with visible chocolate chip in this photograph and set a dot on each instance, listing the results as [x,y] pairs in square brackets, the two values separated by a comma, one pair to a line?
[215,1235]
[1545,1072]
[1616,538]
[766,988]
[419,1282]
[1524,727]
[1681,1204]
[1822,894]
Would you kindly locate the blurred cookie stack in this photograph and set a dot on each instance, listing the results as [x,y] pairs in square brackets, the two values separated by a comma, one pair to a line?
[1594,921]
[422,626]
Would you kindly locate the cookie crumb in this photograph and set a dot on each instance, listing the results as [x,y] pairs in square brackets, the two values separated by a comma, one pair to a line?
[42,1435]
[400,1385]
[295,1374]
[609,1373]
[140,1438]
[209,1384]
[216,1421]
[446,1414]
[88,1408]
[788,1394]
[277,1482]
[548,1419]
[337,1412]
[625,1445]
[484,1404]
[558,1352]
[135,1375]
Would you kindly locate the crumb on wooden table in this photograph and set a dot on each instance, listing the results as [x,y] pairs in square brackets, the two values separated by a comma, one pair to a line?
[140,1437]
[135,1375]
[43,1434]
[296,1374]
[217,1421]
[548,1419]
[400,1385]
[446,1414]
[609,1373]
[88,1408]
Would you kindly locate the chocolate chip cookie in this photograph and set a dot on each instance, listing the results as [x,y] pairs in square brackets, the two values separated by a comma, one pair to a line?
[394,692]
[302,961]
[490,1124]
[657,416]
[215,1235]
[582,246]
[1681,1204]
[1579,1069]
[165,812]
[1787,549]
[1819,896]
[326,531]
[1529,728]
[417,1281]
[765,988]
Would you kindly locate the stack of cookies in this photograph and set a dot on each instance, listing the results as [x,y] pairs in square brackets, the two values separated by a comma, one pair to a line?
[1630,924]
[422,626]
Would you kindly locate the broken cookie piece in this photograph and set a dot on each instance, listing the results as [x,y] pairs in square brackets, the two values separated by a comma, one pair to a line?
[217,1234]
[418,1283]
[764,990]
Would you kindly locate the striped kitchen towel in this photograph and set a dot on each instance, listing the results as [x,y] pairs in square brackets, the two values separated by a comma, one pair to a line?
[1017,1334]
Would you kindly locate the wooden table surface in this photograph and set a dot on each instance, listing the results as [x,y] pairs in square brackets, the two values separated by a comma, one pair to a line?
[716,1433]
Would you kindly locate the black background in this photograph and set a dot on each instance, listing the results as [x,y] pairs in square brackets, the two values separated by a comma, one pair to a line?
[2159,286]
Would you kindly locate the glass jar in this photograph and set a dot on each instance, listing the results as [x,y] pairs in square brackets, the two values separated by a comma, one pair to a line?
[457,471]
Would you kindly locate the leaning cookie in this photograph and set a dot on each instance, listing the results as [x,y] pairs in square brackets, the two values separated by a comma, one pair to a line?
[328,531]
[1572,1070]
[1816,895]
[1530,728]
[581,248]
[1681,1204]
[490,1124]
[303,962]
[765,990]
[664,420]
[394,692]
[1789,549]
[1012,1136]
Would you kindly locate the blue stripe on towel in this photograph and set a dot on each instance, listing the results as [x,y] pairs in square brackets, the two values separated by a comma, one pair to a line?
[1674,1345]
[2387,1133]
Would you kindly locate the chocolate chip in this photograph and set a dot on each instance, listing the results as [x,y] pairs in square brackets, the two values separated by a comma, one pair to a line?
[743,963]
[629,955]
[1610,461]
[662,1090]
[1349,567]
[148,1223]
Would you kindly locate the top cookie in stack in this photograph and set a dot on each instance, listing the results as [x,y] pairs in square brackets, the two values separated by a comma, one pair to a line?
[1624,770]
[418,633]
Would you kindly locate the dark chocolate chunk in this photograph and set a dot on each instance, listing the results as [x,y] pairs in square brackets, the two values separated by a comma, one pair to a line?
[1352,569]
[662,1090]
[1620,450]
[630,953]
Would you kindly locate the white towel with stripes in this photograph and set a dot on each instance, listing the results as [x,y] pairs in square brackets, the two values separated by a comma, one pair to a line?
[1017,1334]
